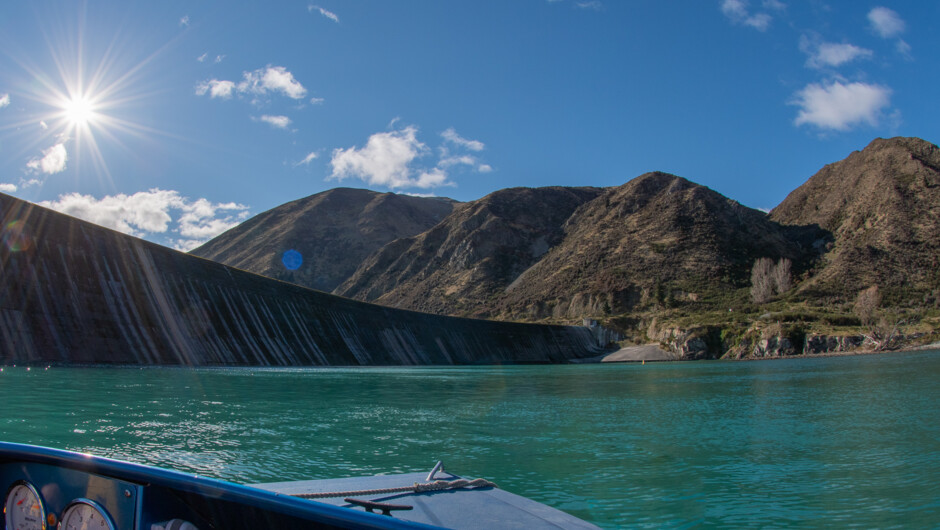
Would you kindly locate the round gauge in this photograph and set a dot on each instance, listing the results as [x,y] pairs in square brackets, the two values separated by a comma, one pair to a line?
[22,509]
[83,514]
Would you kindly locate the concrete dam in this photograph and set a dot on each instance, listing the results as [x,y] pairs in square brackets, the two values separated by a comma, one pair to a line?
[72,292]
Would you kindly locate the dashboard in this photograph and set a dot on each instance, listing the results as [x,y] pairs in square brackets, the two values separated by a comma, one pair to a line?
[50,489]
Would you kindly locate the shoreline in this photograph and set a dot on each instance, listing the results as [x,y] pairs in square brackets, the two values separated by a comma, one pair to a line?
[653,353]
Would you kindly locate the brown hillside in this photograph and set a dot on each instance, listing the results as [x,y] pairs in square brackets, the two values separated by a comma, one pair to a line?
[657,232]
[463,264]
[334,231]
[882,205]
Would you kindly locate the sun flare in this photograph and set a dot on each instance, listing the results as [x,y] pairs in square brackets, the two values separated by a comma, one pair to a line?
[79,111]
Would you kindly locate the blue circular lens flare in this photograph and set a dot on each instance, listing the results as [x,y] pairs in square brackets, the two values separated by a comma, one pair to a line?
[292,259]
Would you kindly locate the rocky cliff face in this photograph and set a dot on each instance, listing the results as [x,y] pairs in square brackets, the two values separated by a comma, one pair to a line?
[333,231]
[73,292]
[467,261]
[882,207]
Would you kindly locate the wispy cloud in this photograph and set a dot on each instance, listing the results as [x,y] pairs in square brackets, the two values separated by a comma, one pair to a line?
[311,156]
[838,106]
[7,188]
[328,14]
[596,5]
[152,212]
[316,101]
[279,122]
[184,21]
[53,160]
[738,12]
[886,22]
[4,100]
[830,54]
[218,59]
[202,57]
[391,159]
[215,88]
[451,136]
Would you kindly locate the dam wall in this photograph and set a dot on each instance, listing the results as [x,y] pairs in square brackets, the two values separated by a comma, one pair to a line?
[74,292]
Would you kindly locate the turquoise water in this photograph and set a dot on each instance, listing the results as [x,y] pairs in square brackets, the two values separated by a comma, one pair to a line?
[846,441]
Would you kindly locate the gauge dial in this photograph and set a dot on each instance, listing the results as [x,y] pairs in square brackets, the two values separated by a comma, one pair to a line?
[83,514]
[23,509]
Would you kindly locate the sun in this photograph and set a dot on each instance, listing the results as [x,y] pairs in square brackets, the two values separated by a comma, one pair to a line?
[79,111]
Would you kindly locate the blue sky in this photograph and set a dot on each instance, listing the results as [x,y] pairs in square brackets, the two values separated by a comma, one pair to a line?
[174,120]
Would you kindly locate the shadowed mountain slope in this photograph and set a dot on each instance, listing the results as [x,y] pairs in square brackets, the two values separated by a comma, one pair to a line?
[463,264]
[882,206]
[334,231]
[74,292]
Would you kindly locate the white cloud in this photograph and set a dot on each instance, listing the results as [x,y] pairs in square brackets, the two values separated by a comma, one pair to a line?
[776,5]
[330,15]
[260,82]
[201,220]
[841,106]
[218,59]
[384,161]
[316,101]
[451,136]
[307,159]
[52,161]
[184,21]
[737,11]
[272,79]
[830,54]
[43,125]
[280,122]
[202,57]
[150,212]
[432,178]
[4,100]
[390,159]
[886,22]
[7,188]
[215,88]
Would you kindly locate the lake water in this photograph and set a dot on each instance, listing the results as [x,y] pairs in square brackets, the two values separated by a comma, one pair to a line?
[842,441]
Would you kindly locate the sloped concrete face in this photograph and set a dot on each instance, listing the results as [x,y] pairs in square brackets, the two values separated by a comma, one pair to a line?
[73,292]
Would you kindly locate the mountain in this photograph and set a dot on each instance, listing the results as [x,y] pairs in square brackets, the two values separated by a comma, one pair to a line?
[334,231]
[882,207]
[74,292]
[573,252]
[658,235]
[465,262]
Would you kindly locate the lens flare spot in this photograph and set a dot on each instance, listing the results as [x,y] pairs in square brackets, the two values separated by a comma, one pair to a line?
[15,237]
[292,259]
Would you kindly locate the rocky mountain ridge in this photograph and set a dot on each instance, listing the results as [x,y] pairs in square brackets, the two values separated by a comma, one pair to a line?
[660,244]
[333,232]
